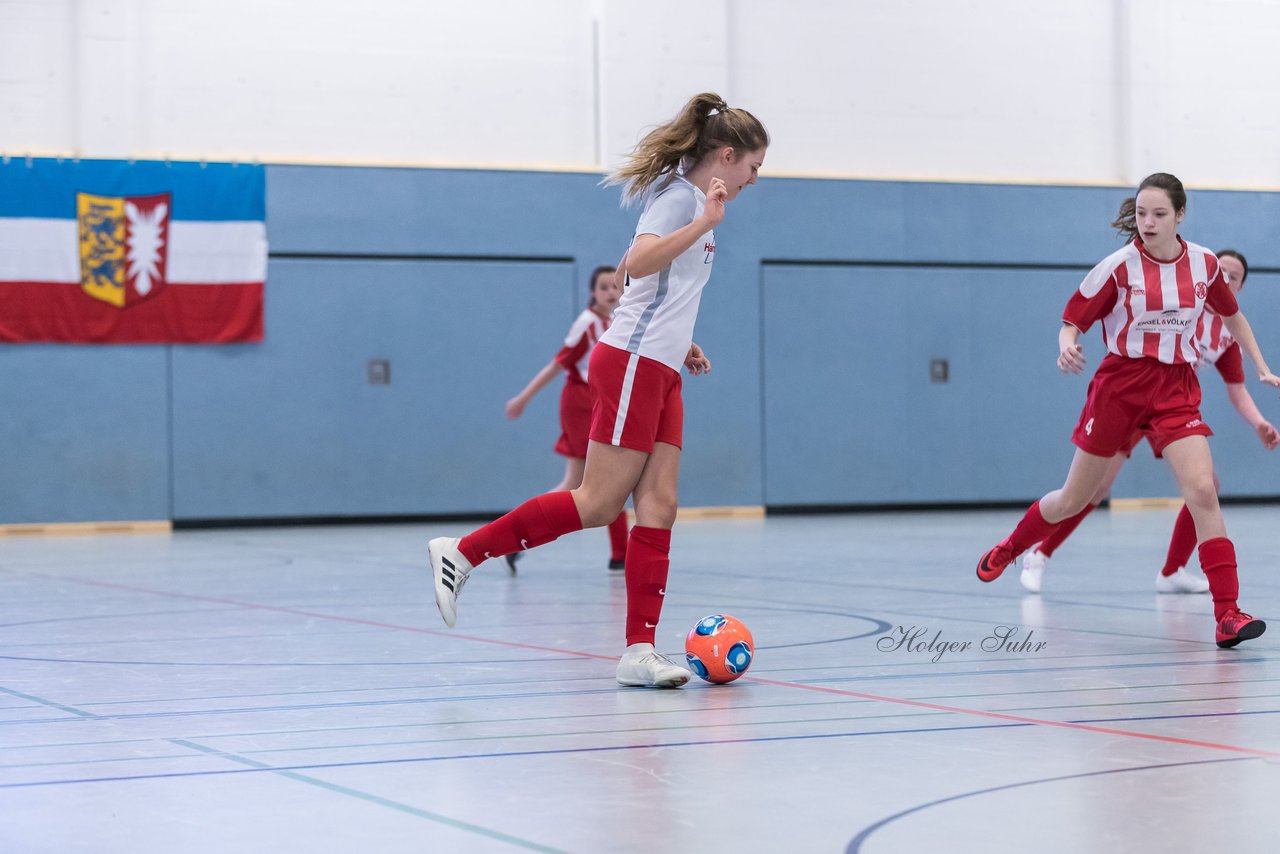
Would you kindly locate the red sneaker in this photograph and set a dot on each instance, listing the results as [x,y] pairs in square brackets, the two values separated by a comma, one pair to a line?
[1236,626]
[994,562]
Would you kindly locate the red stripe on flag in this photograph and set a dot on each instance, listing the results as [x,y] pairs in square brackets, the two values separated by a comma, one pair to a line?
[182,314]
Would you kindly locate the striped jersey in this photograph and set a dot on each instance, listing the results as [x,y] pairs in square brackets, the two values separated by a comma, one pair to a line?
[1219,349]
[1148,307]
[576,352]
[656,315]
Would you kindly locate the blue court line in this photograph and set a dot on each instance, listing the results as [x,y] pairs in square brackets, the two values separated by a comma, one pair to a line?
[366,796]
[576,692]
[582,750]
[1182,717]
[855,845]
[506,755]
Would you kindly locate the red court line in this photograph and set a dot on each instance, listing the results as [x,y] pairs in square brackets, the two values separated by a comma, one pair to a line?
[1017,718]
[761,680]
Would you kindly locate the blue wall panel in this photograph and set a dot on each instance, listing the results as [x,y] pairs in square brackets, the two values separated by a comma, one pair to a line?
[828,300]
[291,427]
[851,415]
[84,433]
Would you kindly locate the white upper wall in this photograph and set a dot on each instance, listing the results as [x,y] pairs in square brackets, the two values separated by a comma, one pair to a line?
[988,90]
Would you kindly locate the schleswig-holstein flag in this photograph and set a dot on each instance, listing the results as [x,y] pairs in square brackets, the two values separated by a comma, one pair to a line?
[147,252]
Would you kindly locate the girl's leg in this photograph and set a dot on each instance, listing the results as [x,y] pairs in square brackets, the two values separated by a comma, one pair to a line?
[1037,559]
[648,551]
[573,470]
[609,476]
[647,563]
[1183,541]
[573,467]
[1087,473]
[1067,526]
[1192,465]
[618,532]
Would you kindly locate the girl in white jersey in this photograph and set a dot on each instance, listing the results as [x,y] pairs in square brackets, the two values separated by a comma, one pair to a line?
[1150,296]
[684,171]
[575,397]
[1219,349]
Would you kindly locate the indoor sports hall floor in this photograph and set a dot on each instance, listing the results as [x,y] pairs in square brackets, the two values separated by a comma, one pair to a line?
[293,689]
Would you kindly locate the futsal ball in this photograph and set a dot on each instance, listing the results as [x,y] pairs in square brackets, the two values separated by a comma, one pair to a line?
[719,648]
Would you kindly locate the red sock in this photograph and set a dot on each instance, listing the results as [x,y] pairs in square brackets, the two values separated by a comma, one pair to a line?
[1063,530]
[647,561]
[618,537]
[535,522]
[1218,560]
[1031,530]
[1181,544]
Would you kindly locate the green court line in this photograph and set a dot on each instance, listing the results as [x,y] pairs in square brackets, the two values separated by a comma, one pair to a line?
[68,709]
[373,799]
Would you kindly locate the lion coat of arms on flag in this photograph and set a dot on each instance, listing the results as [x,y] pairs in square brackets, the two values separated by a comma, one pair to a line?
[124,246]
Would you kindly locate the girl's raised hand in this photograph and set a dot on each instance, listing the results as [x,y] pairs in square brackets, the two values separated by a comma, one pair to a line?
[717,195]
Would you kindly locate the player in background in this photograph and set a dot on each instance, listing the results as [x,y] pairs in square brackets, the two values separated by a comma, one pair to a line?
[1219,349]
[684,172]
[575,398]
[1149,296]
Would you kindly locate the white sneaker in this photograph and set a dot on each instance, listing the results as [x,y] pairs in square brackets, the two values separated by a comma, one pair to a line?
[450,571]
[1181,582]
[1033,567]
[641,666]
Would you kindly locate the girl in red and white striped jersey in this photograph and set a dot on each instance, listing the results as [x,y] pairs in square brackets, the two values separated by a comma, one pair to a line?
[1219,349]
[1150,296]
[684,172]
[575,398]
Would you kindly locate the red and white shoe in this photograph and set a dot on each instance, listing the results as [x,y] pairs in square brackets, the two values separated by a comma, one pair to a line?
[1236,626]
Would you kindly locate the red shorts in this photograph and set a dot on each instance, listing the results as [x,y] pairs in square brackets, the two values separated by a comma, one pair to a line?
[575,420]
[635,401]
[1132,442]
[1143,397]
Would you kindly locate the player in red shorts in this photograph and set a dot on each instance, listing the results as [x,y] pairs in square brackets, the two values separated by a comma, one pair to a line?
[684,172]
[1149,296]
[1219,349]
[575,398]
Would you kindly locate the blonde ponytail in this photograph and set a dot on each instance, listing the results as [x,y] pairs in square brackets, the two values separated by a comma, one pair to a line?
[704,124]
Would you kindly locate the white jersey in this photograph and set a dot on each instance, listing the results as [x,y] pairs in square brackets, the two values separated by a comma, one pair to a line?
[656,315]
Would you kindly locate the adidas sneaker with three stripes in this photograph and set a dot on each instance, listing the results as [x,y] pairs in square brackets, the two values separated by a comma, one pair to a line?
[450,571]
